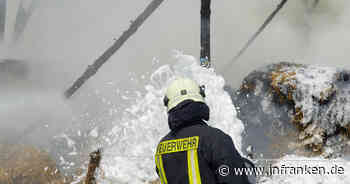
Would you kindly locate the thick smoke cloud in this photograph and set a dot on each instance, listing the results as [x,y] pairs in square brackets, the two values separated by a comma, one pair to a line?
[66,36]
[63,37]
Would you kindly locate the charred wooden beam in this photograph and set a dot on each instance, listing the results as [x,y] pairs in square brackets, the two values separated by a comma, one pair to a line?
[205,33]
[92,69]
[95,159]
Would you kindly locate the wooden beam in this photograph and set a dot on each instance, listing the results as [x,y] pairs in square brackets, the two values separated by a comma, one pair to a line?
[92,69]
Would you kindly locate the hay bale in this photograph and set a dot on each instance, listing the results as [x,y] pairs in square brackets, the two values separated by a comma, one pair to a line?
[22,164]
[307,104]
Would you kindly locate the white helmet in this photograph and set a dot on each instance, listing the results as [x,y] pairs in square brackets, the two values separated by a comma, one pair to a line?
[182,89]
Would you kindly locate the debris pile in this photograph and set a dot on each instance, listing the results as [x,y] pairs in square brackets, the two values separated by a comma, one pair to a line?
[25,164]
[308,104]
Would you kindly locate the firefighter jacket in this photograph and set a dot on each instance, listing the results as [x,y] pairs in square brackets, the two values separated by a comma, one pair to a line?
[195,153]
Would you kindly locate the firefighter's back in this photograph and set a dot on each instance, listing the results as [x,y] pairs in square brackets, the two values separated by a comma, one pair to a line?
[186,156]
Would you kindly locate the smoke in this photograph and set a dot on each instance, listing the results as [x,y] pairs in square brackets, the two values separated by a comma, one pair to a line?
[33,117]
[63,37]
[299,33]
[66,36]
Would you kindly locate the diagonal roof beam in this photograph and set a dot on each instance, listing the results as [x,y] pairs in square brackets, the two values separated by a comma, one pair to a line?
[92,69]
[2,19]
[23,16]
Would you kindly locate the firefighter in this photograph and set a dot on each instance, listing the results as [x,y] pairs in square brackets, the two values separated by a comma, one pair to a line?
[193,152]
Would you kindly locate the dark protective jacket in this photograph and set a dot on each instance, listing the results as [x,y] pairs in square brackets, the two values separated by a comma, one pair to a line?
[195,153]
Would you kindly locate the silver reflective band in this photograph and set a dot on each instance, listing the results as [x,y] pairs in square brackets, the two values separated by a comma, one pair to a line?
[193,167]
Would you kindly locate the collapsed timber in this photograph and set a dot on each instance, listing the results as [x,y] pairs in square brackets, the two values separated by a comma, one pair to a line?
[27,164]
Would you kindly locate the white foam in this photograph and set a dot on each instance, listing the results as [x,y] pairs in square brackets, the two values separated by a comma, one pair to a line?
[134,138]
[129,158]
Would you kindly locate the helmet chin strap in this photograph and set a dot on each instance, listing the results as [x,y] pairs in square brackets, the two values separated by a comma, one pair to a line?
[166,101]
